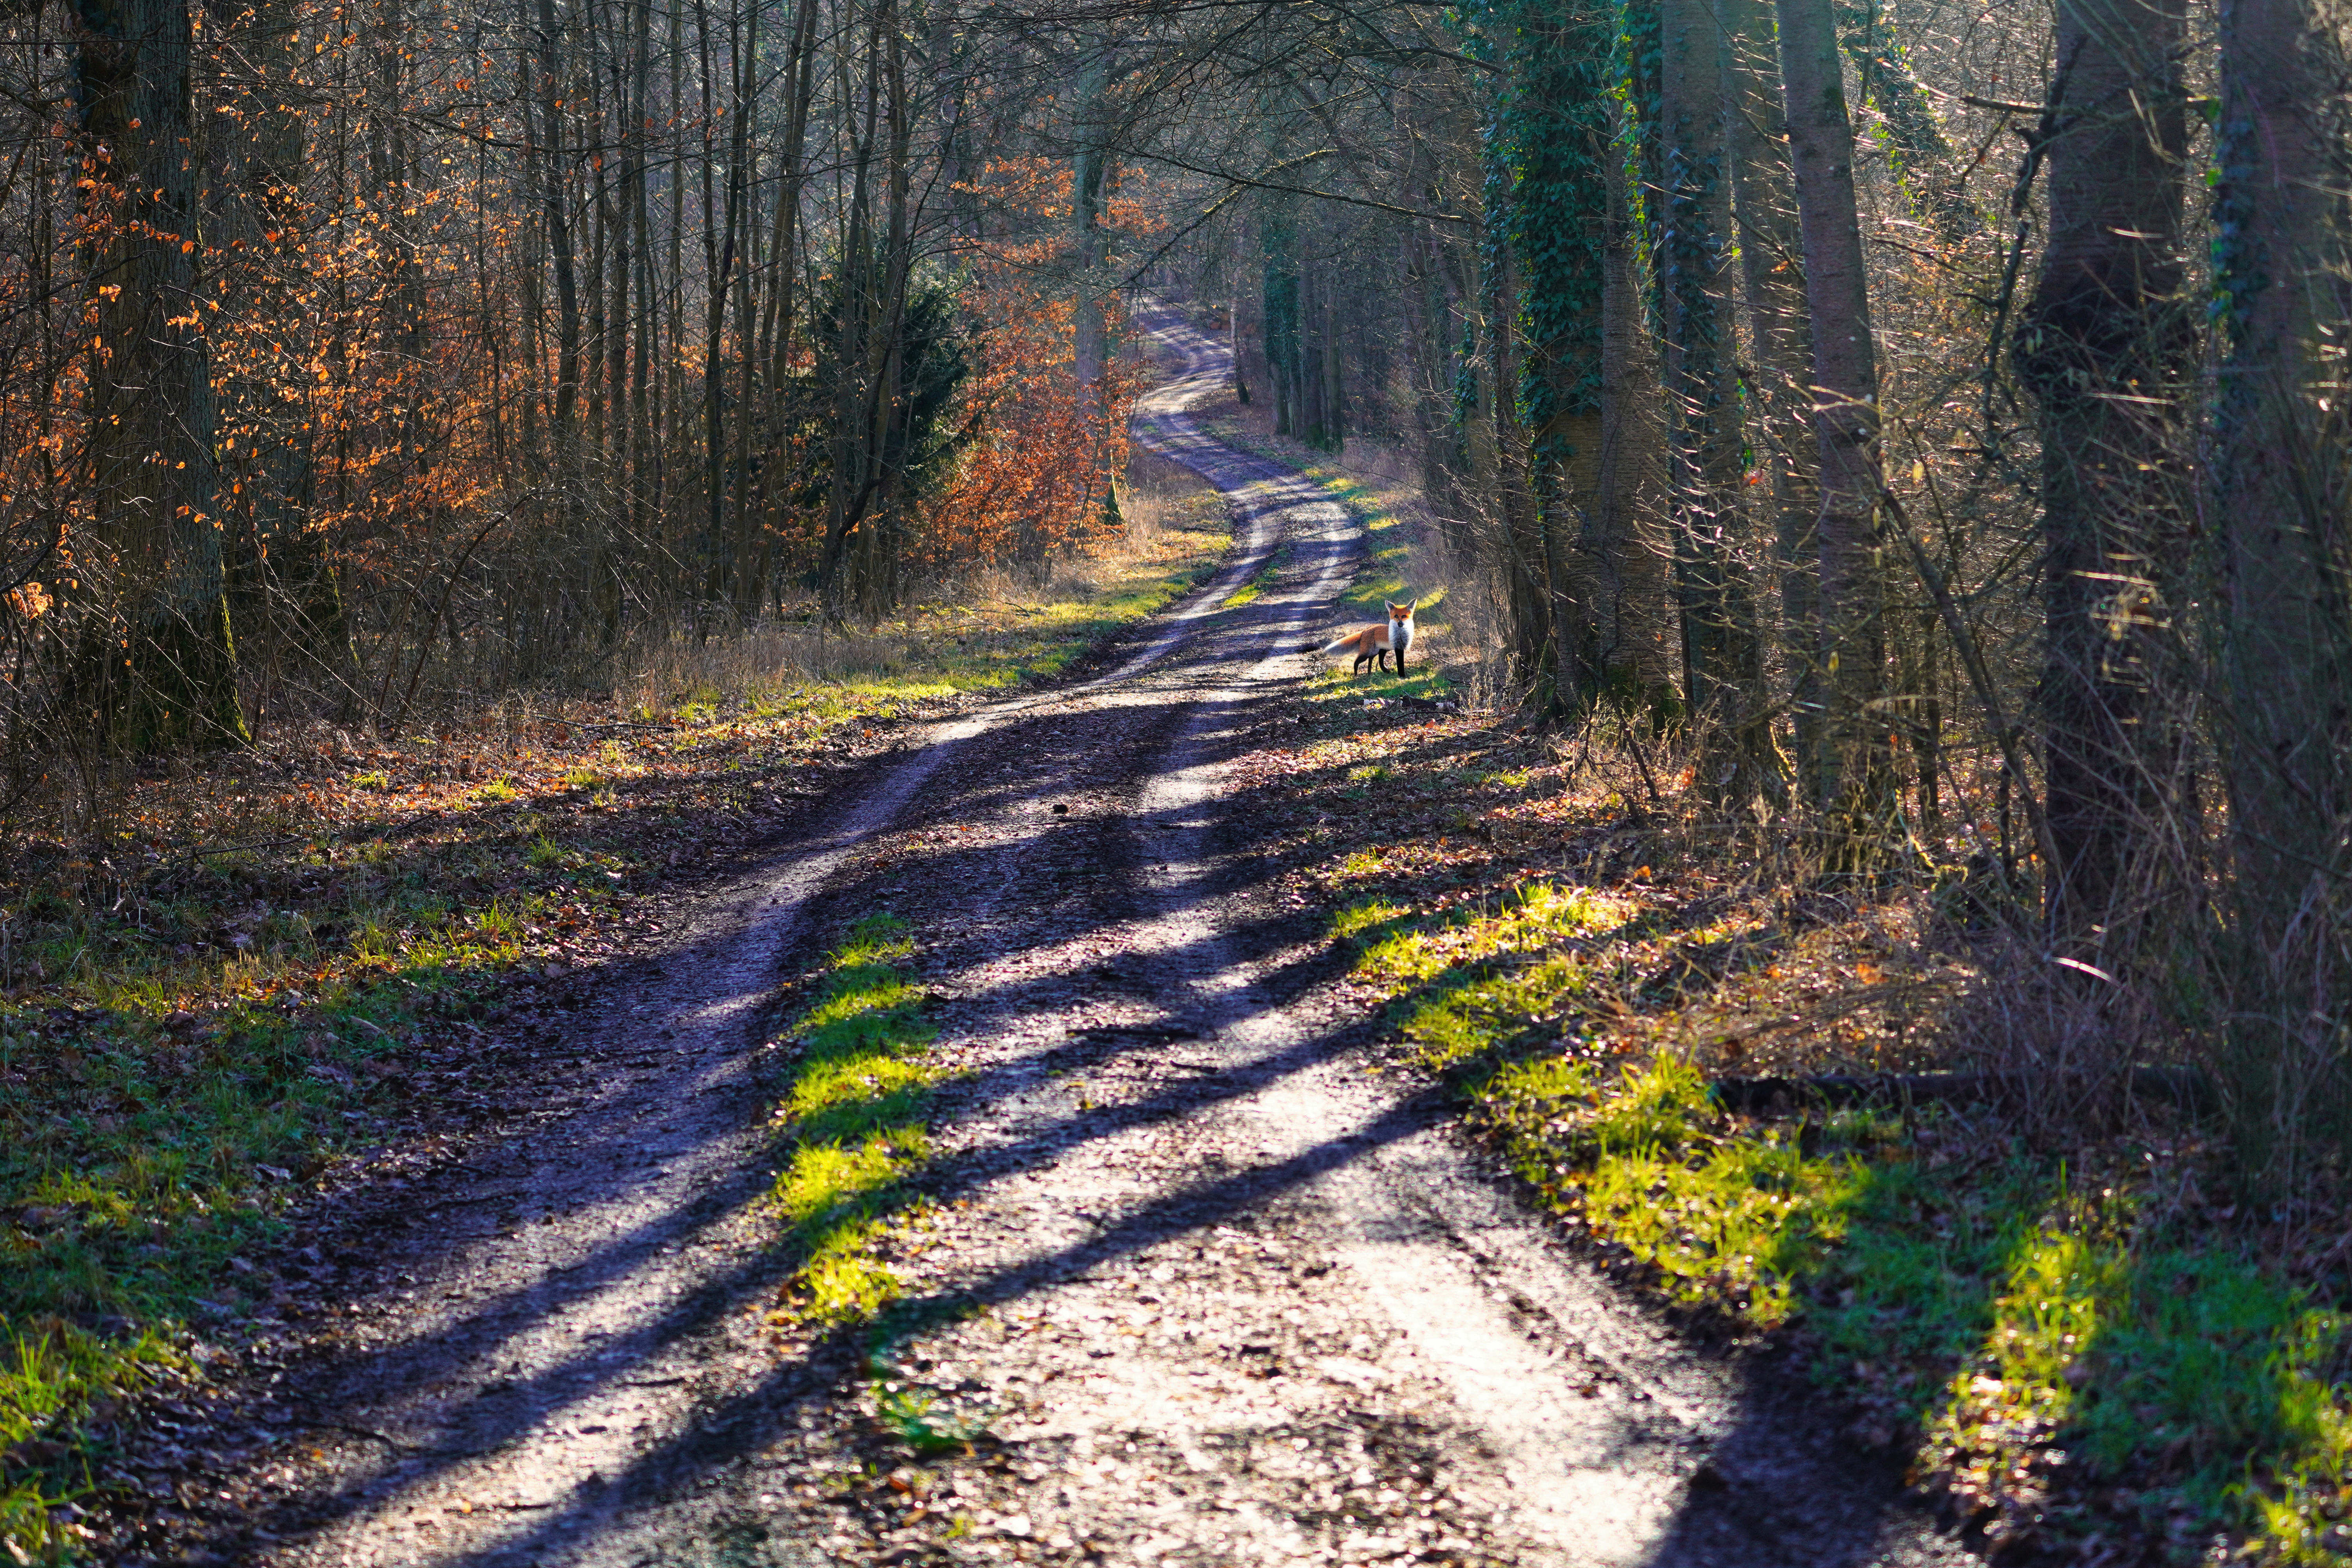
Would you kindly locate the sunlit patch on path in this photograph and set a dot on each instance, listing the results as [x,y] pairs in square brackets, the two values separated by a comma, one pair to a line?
[1186,1283]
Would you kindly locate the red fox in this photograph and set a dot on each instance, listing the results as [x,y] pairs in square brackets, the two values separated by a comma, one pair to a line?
[1380,639]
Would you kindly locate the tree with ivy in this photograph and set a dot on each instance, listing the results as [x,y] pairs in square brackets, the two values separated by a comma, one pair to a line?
[1553,139]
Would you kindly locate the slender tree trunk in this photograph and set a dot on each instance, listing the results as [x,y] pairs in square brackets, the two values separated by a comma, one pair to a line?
[2105,348]
[565,416]
[1854,772]
[744,519]
[1772,276]
[1333,371]
[1089,137]
[850,490]
[1279,240]
[1524,563]
[2280,506]
[1626,554]
[598,220]
[723,556]
[800,76]
[1722,652]
[173,681]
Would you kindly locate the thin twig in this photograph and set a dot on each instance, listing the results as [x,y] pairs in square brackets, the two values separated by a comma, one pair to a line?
[1971,652]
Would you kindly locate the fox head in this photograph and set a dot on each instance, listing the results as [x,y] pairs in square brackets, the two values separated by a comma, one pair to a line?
[1402,612]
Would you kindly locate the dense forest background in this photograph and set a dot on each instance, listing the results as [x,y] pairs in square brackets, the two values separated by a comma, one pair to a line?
[1913,432]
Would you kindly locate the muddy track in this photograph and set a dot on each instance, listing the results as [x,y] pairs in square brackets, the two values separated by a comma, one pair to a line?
[1222,1294]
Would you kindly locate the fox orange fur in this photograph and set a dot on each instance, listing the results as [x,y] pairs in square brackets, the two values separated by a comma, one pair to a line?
[1380,639]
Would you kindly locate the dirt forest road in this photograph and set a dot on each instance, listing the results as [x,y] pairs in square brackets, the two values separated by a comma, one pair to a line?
[1224,1294]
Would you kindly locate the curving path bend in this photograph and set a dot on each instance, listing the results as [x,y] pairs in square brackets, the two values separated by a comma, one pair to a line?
[1229,1297]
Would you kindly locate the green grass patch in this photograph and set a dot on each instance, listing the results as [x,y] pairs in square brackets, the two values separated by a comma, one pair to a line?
[1401,950]
[853,1114]
[2041,1333]
[1251,592]
[918,1419]
[155,1111]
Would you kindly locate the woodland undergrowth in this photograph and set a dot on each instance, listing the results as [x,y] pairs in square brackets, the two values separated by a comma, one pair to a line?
[2082,1344]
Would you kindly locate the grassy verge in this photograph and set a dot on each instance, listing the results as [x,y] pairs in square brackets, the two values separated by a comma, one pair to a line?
[2084,1344]
[254,968]
[2073,1345]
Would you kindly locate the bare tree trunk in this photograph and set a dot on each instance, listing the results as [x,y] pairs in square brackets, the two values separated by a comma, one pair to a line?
[2105,348]
[723,557]
[1772,276]
[1855,774]
[800,76]
[1089,136]
[2281,504]
[1525,563]
[1627,555]
[565,418]
[1722,653]
[1333,371]
[1278,235]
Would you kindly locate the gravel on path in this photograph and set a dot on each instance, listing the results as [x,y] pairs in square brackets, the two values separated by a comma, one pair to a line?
[1210,1286]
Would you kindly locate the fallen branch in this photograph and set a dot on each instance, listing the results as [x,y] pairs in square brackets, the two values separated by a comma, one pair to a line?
[2188,1088]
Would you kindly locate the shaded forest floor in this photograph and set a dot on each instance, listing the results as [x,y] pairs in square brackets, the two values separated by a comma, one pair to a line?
[2086,1346]
[255,967]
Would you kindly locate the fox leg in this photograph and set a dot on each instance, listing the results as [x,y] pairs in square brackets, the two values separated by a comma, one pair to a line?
[1361,659]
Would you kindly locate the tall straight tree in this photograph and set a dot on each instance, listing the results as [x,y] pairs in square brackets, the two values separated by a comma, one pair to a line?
[2282,506]
[2106,347]
[1090,154]
[1772,276]
[1555,112]
[1722,651]
[1852,776]
[168,676]
[1624,573]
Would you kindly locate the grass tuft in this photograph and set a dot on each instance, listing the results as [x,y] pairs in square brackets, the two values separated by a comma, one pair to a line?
[917,1418]
[853,1113]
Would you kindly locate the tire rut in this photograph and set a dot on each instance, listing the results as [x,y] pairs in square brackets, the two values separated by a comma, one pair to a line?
[1223,1293]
